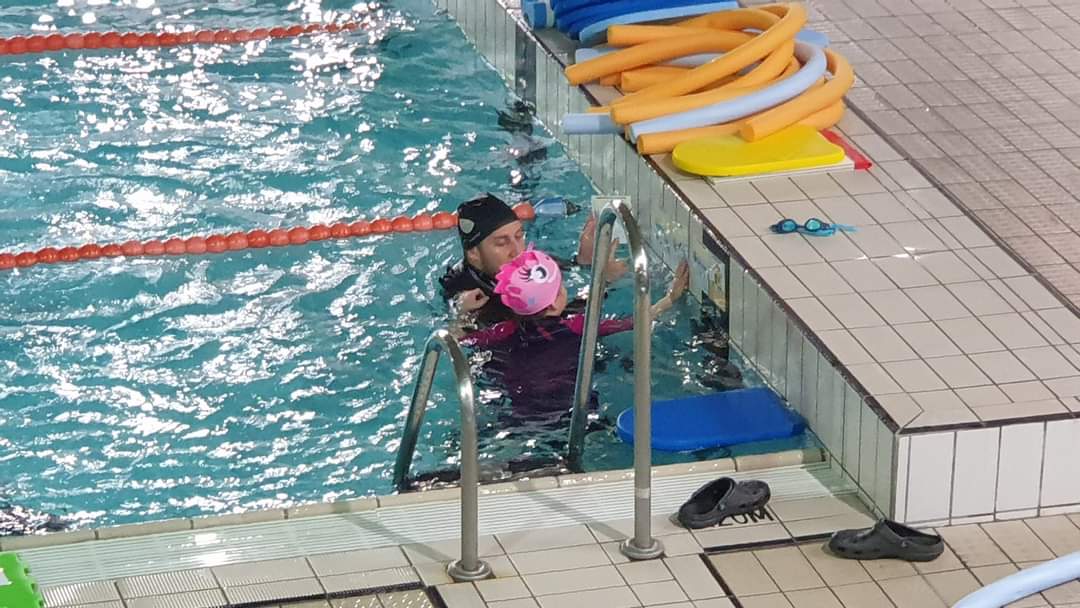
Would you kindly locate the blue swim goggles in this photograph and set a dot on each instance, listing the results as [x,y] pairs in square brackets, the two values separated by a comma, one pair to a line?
[813,227]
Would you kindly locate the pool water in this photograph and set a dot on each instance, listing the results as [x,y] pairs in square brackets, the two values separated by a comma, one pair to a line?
[136,389]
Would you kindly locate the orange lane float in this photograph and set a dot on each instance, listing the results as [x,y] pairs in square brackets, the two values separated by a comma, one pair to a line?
[18,45]
[253,239]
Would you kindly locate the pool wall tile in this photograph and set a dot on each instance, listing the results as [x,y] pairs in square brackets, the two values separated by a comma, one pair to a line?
[931,462]
[850,451]
[868,452]
[974,482]
[885,482]
[1060,481]
[736,302]
[1019,463]
[900,488]
[763,339]
[777,364]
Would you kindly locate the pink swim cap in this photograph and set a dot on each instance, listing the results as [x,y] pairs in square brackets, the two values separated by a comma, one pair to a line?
[529,283]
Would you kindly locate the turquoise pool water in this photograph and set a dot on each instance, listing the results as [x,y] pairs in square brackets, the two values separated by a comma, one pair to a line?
[137,389]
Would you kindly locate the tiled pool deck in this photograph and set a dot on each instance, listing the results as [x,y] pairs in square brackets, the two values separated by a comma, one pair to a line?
[539,531]
[578,566]
[932,355]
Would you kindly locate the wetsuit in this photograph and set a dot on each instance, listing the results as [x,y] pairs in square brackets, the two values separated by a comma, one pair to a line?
[534,361]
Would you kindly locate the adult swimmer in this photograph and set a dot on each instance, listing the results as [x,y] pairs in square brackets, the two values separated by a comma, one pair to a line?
[491,236]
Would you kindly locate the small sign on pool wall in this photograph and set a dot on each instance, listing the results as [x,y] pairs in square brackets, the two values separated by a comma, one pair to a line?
[716,275]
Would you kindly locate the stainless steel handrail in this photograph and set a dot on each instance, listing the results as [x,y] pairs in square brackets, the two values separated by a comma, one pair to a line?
[469,567]
[642,545]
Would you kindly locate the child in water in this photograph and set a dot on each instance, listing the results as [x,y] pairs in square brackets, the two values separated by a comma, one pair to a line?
[534,356]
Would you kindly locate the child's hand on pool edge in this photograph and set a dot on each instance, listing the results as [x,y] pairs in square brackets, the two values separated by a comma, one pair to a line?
[680,282]
[675,292]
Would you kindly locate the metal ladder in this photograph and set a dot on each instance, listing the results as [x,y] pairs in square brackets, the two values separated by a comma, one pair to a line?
[642,545]
[469,567]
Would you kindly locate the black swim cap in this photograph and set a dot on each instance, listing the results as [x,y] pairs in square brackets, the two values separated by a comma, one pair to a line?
[479,217]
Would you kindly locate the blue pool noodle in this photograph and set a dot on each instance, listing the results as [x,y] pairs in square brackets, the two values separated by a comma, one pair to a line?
[589,124]
[597,32]
[813,69]
[563,6]
[538,14]
[595,20]
[1024,583]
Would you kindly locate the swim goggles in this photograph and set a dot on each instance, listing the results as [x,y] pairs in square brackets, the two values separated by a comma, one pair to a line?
[813,227]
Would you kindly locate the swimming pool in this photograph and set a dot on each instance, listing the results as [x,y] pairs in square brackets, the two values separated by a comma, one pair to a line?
[136,389]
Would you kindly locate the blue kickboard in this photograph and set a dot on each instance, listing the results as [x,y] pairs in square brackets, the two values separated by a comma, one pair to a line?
[717,420]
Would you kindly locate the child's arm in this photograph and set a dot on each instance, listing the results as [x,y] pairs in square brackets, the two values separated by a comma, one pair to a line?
[576,322]
[490,336]
[678,288]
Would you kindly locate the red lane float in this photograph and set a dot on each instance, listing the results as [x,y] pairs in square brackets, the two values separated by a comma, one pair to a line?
[254,239]
[18,45]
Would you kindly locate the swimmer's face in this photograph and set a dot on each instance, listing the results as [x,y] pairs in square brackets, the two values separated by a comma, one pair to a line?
[497,249]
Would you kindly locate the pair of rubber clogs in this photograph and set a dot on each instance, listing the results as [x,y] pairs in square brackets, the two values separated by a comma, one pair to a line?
[724,497]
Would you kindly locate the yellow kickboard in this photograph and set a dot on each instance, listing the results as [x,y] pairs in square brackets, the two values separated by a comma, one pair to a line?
[796,147]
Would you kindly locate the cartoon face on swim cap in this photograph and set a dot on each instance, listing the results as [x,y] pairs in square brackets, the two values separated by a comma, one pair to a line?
[529,283]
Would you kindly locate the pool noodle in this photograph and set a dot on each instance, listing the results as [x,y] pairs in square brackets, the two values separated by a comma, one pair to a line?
[692,61]
[780,31]
[780,64]
[596,31]
[1024,583]
[572,22]
[659,51]
[538,14]
[659,143]
[814,66]
[796,109]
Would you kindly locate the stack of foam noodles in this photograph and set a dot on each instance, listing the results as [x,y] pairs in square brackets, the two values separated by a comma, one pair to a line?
[748,72]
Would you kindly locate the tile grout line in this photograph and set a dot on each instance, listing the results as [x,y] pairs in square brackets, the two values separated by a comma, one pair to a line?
[728,593]
[1042,470]
[954,441]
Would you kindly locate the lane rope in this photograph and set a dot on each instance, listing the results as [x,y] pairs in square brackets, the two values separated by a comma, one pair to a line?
[235,241]
[19,45]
